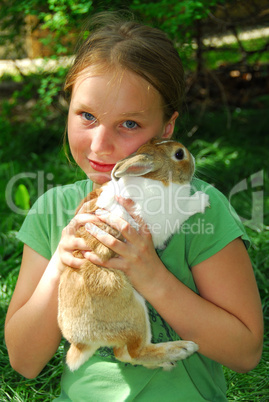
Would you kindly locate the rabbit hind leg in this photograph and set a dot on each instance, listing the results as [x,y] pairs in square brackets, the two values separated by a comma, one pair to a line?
[163,355]
[79,354]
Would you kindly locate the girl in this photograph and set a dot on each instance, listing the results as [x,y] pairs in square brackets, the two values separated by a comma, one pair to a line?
[126,86]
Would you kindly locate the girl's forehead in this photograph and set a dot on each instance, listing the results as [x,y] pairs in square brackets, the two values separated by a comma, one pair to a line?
[114,80]
[115,76]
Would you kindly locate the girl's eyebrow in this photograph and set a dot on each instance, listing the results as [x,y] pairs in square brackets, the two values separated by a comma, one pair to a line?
[134,114]
[141,114]
[82,106]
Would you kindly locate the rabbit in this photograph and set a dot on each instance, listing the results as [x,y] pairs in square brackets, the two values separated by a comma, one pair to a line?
[98,306]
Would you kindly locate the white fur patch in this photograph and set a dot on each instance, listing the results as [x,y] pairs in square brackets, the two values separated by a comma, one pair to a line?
[163,208]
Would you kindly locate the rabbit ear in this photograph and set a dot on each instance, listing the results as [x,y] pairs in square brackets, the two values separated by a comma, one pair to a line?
[137,165]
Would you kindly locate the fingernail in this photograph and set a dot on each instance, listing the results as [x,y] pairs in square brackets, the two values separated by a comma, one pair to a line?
[100,212]
[93,229]
[119,199]
[89,226]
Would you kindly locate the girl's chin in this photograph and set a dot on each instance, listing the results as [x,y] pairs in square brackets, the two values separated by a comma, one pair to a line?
[99,178]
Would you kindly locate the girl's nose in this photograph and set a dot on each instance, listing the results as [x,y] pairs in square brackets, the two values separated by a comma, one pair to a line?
[102,140]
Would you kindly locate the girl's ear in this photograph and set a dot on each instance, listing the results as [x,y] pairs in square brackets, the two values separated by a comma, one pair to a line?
[170,126]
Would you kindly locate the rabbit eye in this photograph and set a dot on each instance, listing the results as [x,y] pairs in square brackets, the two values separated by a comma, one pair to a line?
[179,154]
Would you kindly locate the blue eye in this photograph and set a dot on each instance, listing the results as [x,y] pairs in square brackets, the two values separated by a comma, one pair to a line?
[130,124]
[88,116]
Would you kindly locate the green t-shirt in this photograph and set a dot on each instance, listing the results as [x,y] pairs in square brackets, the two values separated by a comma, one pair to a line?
[102,377]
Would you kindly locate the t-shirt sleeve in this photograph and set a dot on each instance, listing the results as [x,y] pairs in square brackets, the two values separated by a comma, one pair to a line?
[42,227]
[210,232]
[35,228]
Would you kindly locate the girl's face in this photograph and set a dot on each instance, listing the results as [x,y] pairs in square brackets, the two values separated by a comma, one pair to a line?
[110,117]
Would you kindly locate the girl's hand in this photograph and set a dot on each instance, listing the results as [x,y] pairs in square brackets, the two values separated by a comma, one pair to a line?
[136,255]
[69,242]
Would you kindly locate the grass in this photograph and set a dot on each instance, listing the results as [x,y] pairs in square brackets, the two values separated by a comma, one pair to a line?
[225,157]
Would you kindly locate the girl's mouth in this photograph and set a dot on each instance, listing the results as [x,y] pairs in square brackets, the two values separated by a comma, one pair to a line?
[101,167]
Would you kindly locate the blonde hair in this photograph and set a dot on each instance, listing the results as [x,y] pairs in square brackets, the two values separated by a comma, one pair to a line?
[144,50]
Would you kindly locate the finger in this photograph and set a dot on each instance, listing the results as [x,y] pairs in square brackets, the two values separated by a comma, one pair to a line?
[71,261]
[75,243]
[129,206]
[91,256]
[112,263]
[67,256]
[83,208]
[139,224]
[78,221]
[126,203]
[134,232]
[126,228]
[105,238]
[81,219]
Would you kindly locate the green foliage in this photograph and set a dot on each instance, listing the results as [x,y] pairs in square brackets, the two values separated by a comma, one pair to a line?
[173,14]
[31,118]
[177,18]
[60,19]
[22,197]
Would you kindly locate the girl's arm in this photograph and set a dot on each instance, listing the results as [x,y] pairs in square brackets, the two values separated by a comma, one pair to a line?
[225,319]
[31,329]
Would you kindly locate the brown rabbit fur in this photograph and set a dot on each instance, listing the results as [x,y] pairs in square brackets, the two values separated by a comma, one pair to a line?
[98,306]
